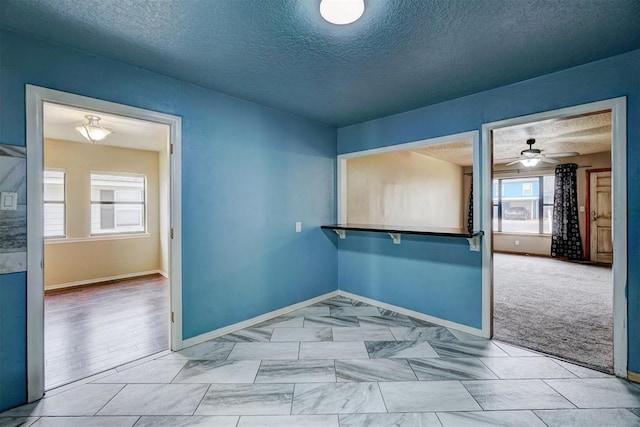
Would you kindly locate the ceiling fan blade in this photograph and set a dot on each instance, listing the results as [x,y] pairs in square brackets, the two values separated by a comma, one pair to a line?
[512,163]
[548,160]
[566,154]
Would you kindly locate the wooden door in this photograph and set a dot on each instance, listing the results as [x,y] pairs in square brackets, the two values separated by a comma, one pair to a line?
[601,245]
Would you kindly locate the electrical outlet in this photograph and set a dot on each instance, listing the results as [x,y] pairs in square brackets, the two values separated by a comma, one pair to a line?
[298,227]
[517,242]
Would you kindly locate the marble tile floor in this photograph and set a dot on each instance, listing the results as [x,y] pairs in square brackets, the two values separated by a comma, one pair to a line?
[341,363]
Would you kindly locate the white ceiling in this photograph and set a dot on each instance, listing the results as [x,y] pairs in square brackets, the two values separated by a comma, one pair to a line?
[60,122]
[458,152]
[585,134]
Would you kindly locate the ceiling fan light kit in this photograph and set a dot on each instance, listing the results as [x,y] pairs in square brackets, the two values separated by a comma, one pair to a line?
[529,162]
[532,156]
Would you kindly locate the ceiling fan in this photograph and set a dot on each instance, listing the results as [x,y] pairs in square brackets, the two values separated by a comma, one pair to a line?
[532,156]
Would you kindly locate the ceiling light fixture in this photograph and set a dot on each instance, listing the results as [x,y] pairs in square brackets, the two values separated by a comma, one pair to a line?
[341,12]
[529,163]
[92,130]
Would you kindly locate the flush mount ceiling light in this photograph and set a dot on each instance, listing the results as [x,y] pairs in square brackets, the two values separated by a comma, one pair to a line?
[341,12]
[92,130]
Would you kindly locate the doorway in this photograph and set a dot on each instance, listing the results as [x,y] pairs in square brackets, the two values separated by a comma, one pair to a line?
[516,242]
[108,219]
[599,237]
[105,241]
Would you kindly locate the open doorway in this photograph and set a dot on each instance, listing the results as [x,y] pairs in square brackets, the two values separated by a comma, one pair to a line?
[106,260]
[548,293]
[104,247]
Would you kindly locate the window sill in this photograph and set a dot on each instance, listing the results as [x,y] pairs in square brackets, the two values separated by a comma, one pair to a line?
[510,233]
[56,241]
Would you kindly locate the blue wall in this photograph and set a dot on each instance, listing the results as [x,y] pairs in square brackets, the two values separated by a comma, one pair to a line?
[13,339]
[435,276]
[433,288]
[249,173]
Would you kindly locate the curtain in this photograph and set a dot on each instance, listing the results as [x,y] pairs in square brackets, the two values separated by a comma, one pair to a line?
[470,208]
[565,238]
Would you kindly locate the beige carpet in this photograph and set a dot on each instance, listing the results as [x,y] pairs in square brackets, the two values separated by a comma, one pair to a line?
[561,308]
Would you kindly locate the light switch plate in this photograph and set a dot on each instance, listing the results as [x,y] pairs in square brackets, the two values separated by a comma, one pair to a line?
[8,201]
[298,227]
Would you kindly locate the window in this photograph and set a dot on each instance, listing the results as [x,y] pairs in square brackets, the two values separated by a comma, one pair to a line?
[523,205]
[54,203]
[117,203]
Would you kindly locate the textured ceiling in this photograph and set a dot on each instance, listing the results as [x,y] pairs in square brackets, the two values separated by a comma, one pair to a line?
[59,122]
[402,54]
[584,134]
[458,152]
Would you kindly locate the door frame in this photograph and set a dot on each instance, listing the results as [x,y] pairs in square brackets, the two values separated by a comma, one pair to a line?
[618,107]
[587,207]
[35,98]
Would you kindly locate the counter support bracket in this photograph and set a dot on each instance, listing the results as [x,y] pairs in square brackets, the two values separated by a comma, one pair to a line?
[395,237]
[341,233]
[474,243]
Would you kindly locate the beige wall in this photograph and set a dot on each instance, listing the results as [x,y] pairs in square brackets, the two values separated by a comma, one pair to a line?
[67,261]
[404,188]
[163,200]
[541,245]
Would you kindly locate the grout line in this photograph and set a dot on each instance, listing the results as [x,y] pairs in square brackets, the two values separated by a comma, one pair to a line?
[537,416]
[179,371]
[201,400]
[479,359]
[438,417]
[575,376]
[382,396]
[471,394]
[137,421]
[293,396]
[109,400]
[257,371]
[563,396]
[414,371]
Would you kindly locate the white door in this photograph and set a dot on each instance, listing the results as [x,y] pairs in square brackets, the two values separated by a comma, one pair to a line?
[601,245]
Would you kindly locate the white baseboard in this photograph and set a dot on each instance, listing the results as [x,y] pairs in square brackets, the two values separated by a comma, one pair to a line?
[255,320]
[417,315]
[163,274]
[100,279]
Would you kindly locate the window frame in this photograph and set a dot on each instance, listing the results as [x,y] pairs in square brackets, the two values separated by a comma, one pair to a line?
[541,204]
[64,203]
[116,203]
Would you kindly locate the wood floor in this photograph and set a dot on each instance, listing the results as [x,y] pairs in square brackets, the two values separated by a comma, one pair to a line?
[94,328]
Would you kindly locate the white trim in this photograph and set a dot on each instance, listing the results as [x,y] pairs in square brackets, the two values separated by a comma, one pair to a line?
[100,280]
[175,223]
[415,314]
[256,320]
[35,245]
[35,97]
[618,107]
[474,136]
[487,242]
[96,238]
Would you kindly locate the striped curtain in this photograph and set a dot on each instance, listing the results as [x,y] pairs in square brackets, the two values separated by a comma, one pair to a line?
[470,208]
[565,237]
